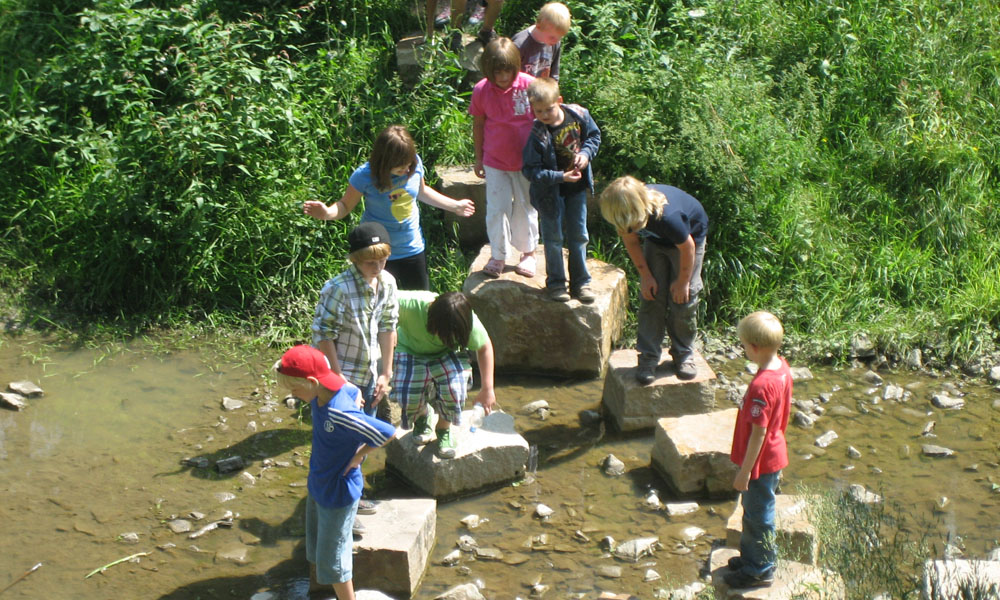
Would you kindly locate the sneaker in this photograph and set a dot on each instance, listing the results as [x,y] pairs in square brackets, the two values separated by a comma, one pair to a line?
[557,294]
[358,529]
[444,16]
[741,580]
[735,563]
[485,36]
[367,507]
[422,432]
[645,374]
[686,370]
[584,295]
[478,13]
[446,444]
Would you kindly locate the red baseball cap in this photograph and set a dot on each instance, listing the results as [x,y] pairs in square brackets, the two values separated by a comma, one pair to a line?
[305,361]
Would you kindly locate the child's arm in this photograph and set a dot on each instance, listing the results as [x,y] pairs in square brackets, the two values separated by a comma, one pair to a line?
[486,397]
[647,283]
[591,141]
[364,450]
[429,195]
[754,444]
[681,287]
[478,134]
[386,343]
[338,210]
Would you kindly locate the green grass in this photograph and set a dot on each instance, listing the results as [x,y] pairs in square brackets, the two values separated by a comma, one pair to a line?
[155,157]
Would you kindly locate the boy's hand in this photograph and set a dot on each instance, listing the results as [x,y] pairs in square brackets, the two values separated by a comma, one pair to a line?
[580,161]
[478,168]
[315,209]
[648,286]
[572,175]
[742,480]
[356,461]
[381,389]
[465,207]
[487,399]
[680,291]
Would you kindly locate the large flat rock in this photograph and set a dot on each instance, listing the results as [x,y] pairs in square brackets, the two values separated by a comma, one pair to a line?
[792,581]
[461,182]
[633,406]
[959,578]
[797,538]
[487,458]
[534,335]
[392,554]
[692,453]
[412,53]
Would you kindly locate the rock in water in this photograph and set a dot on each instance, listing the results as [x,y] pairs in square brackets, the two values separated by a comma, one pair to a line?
[633,550]
[936,451]
[946,402]
[613,466]
[826,439]
[27,389]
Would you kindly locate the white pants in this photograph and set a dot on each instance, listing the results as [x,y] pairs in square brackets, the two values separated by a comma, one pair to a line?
[510,218]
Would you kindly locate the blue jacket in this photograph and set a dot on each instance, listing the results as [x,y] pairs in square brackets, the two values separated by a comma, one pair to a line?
[540,159]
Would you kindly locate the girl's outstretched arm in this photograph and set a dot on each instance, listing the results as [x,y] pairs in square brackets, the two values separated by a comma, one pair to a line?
[429,195]
[338,210]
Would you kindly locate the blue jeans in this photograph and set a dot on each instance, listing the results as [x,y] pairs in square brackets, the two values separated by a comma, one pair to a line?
[661,314]
[329,541]
[757,544]
[570,213]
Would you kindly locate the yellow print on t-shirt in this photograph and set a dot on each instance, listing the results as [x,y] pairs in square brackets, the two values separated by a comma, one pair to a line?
[402,204]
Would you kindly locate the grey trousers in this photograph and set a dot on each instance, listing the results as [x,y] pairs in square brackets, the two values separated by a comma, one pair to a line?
[661,314]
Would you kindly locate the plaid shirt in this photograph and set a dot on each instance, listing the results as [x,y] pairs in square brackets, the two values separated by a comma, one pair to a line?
[351,314]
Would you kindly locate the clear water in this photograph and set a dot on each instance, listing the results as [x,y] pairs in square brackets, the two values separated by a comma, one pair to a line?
[100,456]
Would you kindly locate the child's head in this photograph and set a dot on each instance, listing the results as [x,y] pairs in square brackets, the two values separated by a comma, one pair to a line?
[501,62]
[369,248]
[305,371]
[552,23]
[450,318]
[394,150]
[761,329]
[627,204]
[543,94]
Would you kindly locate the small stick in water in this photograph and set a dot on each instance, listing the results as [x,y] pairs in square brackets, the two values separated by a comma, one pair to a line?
[21,578]
[116,562]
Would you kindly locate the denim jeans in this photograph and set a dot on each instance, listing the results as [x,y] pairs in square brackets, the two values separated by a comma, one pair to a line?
[757,544]
[571,214]
[661,314]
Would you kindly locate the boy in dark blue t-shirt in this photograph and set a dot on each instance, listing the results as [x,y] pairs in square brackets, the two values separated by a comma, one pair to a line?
[673,226]
[342,436]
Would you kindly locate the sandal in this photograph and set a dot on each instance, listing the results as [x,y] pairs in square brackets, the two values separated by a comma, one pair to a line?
[527,265]
[494,268]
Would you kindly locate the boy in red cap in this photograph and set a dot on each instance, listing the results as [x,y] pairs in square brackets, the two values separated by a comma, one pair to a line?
[342,436]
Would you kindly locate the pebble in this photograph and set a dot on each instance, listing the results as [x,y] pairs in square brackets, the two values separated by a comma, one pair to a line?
[533,407]
[543,512]
[13,401]
[653,501]
[515,558]
[691,533]
[231,403]
[612,466]
[247,478]
[936,451]
[853,452]
[893,393]
[826,439]
[487,553]
[251,427]
[873,378]
[610,571]
[801,373]
[224,496]
[466,543]
[472,521]
[804,420]
[28,389]
[862,495]
[946,402]
[650,575]
[179,525]
[129,538]
[238,554]
[914,359]
[635,549]
[994,374]
[676,509]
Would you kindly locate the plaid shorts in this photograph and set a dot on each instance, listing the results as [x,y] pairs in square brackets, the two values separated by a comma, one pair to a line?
[444,380]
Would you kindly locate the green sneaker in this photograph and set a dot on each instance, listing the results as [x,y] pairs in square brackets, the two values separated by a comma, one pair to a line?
[422,432]
[446,444]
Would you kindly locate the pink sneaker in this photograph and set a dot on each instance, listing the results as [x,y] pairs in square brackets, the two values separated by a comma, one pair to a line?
[494,268]
[478,13]
[444,15]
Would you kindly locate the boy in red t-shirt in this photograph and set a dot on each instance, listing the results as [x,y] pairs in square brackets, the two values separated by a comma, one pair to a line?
[759,448]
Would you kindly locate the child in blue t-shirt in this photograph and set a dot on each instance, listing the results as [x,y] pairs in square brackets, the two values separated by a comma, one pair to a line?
[391,182]
[342,437]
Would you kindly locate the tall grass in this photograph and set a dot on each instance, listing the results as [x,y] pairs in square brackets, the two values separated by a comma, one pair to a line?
[155,154]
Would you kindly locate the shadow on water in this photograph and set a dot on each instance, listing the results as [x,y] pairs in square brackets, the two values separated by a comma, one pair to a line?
[257,446]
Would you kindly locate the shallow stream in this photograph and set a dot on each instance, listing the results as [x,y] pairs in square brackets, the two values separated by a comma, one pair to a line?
[100,456]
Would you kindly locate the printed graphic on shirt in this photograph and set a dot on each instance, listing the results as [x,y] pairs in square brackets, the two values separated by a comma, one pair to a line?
[567,144]
[328,425]
[540,63]
[758,408]
[521,104]
[402,203]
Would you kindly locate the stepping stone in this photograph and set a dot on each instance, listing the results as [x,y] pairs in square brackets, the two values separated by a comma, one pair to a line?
[953,578]
[490,457]
[392,554]
[797,538]
[633,406]
[461,182]
[692,453]
[412,53]
[534,335]
[792,581]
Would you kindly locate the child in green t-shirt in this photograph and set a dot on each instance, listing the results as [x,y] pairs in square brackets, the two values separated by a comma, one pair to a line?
[430,333]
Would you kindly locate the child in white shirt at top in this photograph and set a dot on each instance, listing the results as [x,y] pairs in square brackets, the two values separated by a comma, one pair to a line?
[502,121]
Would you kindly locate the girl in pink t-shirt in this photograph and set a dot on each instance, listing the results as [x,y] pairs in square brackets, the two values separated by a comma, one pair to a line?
[502,120]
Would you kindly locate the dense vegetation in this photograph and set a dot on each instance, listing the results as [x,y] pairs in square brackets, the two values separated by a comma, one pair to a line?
[155,153]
